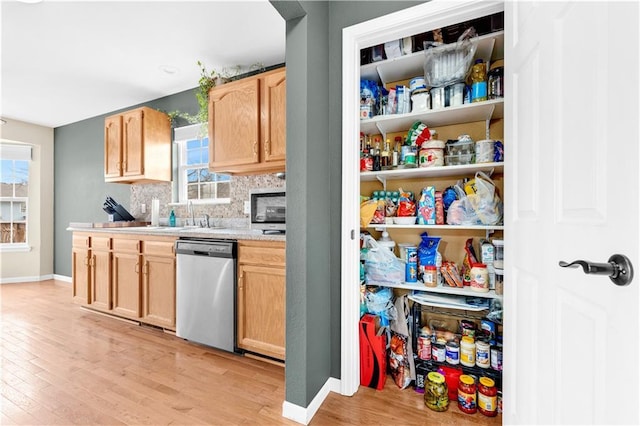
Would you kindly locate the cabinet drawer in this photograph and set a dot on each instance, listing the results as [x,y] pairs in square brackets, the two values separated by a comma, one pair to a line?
[80,240]
[158,248]
[123,246]
[262,253]
[100,243]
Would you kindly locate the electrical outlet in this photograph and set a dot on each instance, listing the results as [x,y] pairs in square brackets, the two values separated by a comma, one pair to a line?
[143,208]
[247,207]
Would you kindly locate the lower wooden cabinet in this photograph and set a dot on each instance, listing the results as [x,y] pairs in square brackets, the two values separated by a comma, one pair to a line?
[80,271]
[159,283]
[131,276]
[261,298]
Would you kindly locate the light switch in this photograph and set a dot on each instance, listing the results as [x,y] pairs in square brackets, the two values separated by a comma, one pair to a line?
[247,207]
[143,208]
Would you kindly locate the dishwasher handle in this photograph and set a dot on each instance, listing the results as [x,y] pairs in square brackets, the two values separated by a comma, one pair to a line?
[223,249]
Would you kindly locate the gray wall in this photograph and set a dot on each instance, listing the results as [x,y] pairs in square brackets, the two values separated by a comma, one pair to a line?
[79,186]
[314,156]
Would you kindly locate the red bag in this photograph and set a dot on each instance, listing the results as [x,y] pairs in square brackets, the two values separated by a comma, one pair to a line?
[373,352]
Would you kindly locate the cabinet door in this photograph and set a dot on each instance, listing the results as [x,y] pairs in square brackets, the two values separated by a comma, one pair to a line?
[80,275]
[132,138]
[113,146]
[159,291]
[126,284]
[261,310]
[234,124]
[101,279]
[274,113]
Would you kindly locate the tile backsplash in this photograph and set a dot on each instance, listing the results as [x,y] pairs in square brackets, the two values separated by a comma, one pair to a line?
[240,187]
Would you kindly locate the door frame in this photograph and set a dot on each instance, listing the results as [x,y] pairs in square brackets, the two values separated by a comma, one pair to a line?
[404,23]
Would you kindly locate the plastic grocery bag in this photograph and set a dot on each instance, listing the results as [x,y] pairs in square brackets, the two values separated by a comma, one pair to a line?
[484,199]
[461,211]
[401,361]
[381,265]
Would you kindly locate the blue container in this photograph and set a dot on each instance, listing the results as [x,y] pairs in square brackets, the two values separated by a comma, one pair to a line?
[411,271]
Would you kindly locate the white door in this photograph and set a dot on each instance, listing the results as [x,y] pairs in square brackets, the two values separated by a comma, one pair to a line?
[571,124]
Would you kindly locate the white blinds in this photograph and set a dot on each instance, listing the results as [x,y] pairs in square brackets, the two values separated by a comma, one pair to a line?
[15,152]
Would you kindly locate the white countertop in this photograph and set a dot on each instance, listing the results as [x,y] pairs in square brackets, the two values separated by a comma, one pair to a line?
[189,231]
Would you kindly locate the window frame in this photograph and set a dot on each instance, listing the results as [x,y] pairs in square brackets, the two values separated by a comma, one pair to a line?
[13,153]
[183,135]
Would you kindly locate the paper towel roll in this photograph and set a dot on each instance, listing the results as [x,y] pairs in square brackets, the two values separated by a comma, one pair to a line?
[155,212]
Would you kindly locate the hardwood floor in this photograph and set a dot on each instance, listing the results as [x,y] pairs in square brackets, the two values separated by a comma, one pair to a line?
[60,364]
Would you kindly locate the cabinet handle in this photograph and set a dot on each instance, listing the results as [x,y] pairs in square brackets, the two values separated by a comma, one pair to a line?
[146,268]
[255,148]
[124,165]
[267,146]
[137,268]
[241,280]
[138,246]
[86,261]
[119,166]
[93,261]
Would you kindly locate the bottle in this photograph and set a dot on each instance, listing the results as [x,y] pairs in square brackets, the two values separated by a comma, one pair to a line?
[368,159]
[385,157]
[436,394]
[495,80]
[483,357]
[172,218]
[376,157]
[479,81]
[397,150]
[467,351]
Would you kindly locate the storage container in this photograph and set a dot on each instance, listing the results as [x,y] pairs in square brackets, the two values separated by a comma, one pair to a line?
[460,152]
[420,101]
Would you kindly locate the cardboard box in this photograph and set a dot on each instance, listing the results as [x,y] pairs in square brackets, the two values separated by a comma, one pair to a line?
[373,356]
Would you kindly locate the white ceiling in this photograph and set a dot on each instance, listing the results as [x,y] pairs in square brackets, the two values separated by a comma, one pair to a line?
[65,61]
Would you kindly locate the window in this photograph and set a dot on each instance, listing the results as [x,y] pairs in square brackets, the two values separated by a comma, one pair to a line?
[14,192]
[195,182]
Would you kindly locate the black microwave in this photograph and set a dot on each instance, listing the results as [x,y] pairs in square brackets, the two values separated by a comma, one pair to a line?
[268,209]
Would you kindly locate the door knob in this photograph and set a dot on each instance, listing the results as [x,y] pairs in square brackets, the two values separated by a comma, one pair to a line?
[618,268]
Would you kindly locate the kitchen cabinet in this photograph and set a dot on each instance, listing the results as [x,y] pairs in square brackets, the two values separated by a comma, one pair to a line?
[127,275]
[80,270]
[261,298]
[127,291]
[137,147]
[247,124]
[101,291]
[159,282]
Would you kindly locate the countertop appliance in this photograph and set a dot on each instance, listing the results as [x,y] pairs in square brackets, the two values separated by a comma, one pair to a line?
[205,292]
[268,209]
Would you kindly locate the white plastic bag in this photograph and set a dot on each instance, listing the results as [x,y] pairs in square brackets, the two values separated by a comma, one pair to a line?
[381,265]
[485,201]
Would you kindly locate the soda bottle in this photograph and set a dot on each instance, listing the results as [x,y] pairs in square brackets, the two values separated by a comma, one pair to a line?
[479,81]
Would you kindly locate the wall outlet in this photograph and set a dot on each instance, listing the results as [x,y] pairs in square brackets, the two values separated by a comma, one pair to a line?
[247,207]
[143,208]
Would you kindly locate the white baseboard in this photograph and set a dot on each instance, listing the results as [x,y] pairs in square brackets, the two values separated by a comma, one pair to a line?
[26,279]
[63,278]
[304,415]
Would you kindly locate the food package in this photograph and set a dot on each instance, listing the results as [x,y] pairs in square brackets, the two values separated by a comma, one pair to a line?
[427,206]
[367,210]
[451,274]
[373,348]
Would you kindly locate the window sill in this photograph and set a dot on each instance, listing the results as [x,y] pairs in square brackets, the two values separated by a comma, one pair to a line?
[14,248]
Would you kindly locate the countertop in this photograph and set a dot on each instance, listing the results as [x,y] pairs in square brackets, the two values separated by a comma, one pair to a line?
[188,231]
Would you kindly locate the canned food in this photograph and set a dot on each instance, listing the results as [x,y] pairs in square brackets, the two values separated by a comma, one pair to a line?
[452,352]
[424,347]
[438,352]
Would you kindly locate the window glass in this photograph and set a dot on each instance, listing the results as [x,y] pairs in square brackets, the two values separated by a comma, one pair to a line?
[14,189]
[195,181]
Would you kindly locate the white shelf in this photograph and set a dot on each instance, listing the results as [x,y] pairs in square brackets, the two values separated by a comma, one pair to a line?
[432,172]
[466,113]
[456,291]
[490,47]
[382,226]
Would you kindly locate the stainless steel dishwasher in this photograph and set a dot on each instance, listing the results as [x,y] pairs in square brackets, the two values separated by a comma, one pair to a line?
[205,292]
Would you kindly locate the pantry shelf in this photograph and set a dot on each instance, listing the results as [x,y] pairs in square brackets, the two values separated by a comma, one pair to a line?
[465,113]
[489,48]
[431,172]
[465,291]
[382,227]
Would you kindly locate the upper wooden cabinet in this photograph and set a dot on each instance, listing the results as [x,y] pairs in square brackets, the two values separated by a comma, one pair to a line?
[247,124]
[137,146]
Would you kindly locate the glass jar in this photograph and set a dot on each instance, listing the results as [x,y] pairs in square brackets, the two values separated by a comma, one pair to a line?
[467,351]
[487,397]
[436,394]
[452,352]
[495,84]
[483,354]
[467,394]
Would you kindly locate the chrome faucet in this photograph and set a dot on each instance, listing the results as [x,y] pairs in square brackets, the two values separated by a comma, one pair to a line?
[191,213]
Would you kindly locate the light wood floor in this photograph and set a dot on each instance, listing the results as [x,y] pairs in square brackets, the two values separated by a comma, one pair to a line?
[62,365]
